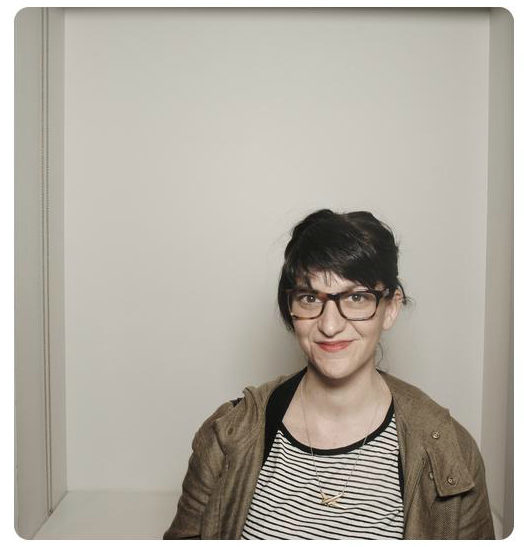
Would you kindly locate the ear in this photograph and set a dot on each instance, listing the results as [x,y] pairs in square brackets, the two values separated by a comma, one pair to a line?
[392,309]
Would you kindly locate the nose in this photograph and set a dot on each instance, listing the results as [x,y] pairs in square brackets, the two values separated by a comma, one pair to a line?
[331,322]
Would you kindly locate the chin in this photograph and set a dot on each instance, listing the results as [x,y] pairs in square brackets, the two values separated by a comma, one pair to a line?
[333,369]
[339,368]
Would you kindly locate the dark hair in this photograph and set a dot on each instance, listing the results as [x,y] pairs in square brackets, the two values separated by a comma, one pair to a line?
[355,246]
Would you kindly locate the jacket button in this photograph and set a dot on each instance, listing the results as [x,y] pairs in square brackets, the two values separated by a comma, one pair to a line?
[230,431]
[435,435]
[431,476]
[452,481]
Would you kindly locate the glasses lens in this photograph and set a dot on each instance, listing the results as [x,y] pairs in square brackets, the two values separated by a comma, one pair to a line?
[358,305]
[304,305]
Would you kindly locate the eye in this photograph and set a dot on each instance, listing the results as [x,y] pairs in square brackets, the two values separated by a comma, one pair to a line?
[360,297]
[307,298]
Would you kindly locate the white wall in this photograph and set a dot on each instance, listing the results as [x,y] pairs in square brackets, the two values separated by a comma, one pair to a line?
[195,139]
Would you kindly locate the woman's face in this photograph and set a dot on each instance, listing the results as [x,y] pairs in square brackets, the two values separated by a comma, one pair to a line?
[336,347]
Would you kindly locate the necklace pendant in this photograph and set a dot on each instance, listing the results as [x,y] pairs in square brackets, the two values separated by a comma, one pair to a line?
[330,501]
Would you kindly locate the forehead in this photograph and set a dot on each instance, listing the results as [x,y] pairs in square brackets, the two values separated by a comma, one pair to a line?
[329,282]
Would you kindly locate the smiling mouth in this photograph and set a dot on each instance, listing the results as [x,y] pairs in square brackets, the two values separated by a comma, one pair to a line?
[334,346]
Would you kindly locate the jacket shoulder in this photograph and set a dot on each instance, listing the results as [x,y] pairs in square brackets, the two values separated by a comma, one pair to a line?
[469,445]
[237,417]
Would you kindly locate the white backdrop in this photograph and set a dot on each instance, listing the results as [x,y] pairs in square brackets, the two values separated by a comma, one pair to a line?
[195,139]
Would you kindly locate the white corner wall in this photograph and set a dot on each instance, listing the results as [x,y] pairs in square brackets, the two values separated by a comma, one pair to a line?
[31,507]
[40,414]
[193,140]
[497,415]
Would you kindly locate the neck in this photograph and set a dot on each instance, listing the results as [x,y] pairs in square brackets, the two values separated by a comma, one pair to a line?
[350,396]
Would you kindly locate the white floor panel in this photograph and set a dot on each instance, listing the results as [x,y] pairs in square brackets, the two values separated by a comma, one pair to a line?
[110,515]
[120,515]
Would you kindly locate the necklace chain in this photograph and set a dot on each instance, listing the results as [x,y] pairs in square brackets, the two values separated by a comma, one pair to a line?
[331,501]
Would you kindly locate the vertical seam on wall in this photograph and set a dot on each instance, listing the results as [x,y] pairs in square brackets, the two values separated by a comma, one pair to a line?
[44,165]
[486,235]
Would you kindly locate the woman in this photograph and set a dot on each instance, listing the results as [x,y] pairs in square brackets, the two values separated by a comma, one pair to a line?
[339,450]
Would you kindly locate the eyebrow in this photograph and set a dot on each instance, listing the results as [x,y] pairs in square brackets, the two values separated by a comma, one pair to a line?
[358,287]
[303,283]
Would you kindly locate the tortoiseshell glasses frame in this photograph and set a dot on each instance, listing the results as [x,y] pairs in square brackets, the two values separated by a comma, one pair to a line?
[359,305]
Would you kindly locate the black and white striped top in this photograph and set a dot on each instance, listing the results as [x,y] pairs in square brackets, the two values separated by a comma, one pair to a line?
[286,503]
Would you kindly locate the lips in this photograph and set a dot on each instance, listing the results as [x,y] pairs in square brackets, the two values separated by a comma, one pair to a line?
[332,347]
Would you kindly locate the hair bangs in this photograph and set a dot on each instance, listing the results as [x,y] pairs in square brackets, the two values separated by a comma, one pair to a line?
[343,257]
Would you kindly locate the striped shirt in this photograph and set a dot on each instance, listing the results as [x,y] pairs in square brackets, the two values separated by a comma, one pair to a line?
[286,503]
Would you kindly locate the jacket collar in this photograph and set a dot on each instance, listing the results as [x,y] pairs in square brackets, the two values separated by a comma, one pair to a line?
[245,421]
[426,428]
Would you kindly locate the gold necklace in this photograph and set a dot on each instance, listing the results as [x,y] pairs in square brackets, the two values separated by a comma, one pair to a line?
[325,499]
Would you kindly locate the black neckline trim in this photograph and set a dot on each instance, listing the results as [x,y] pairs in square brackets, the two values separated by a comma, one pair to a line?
[276,408]
[343,449]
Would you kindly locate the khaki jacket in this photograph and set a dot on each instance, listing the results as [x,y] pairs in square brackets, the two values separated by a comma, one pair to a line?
[445,494]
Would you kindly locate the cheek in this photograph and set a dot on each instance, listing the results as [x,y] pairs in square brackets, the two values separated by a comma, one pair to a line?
[302,334]
[374,336]
[370,332]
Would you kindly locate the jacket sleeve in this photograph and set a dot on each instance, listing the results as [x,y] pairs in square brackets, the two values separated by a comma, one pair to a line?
[203,472]
[475,520]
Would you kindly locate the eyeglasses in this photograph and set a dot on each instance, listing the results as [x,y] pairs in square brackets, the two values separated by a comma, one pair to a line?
[352,305]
